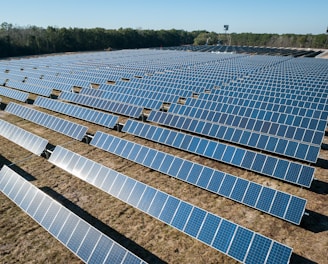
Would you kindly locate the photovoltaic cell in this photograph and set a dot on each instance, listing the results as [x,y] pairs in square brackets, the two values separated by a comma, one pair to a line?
[80,237]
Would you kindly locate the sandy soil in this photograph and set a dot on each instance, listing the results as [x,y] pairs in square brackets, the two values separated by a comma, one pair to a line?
[24,241]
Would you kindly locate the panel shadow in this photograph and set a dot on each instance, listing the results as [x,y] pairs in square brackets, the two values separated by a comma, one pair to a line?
[314,222]
[319,187]
[297,259]
[24,174]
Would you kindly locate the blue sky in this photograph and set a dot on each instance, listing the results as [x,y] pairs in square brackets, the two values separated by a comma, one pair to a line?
[258,16]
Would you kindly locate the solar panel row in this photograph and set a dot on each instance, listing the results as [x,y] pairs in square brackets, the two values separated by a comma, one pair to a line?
[145,102]
[93,116]
[53,85]
[282,205]
[231,239]
[29,88]
[103,104]
[57,124]
[4,77]
[143,89]
[85,241]
[273,144]
[163,83]
[13,94]
[278,168]
[62,83]
[23,138]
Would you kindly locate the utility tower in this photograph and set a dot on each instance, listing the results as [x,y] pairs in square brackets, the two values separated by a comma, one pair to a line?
[228,37]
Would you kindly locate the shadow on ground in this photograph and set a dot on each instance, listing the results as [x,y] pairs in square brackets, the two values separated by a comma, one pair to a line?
[3,106]
[319,187]
[24,174]
[297,259]
[314,222]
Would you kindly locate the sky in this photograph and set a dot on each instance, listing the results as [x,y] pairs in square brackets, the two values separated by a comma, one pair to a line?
[256,16]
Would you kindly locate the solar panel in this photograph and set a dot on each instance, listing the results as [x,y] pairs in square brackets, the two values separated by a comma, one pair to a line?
[103,104]
[54,85]
[144,101]
[13,94]
[30,88]
[273,144]
[81,238]
[57,124]
[215,181]
[23,138]
[141,88]
[90,115]
[223,235]
[295,173]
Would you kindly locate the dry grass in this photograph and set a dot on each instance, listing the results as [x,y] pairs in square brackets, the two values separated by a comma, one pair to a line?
[24,241]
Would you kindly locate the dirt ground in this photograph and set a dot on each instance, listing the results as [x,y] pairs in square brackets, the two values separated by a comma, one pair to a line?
[23,241]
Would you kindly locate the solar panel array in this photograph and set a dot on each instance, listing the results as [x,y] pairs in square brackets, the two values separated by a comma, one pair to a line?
[90,115]
[225,236]
[278,168]
[23,138]
[266,114]
[57,124]
[279,204]
[85,241]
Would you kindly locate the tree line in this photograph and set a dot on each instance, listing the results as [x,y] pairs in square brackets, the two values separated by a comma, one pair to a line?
[33,40]
[319,41]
